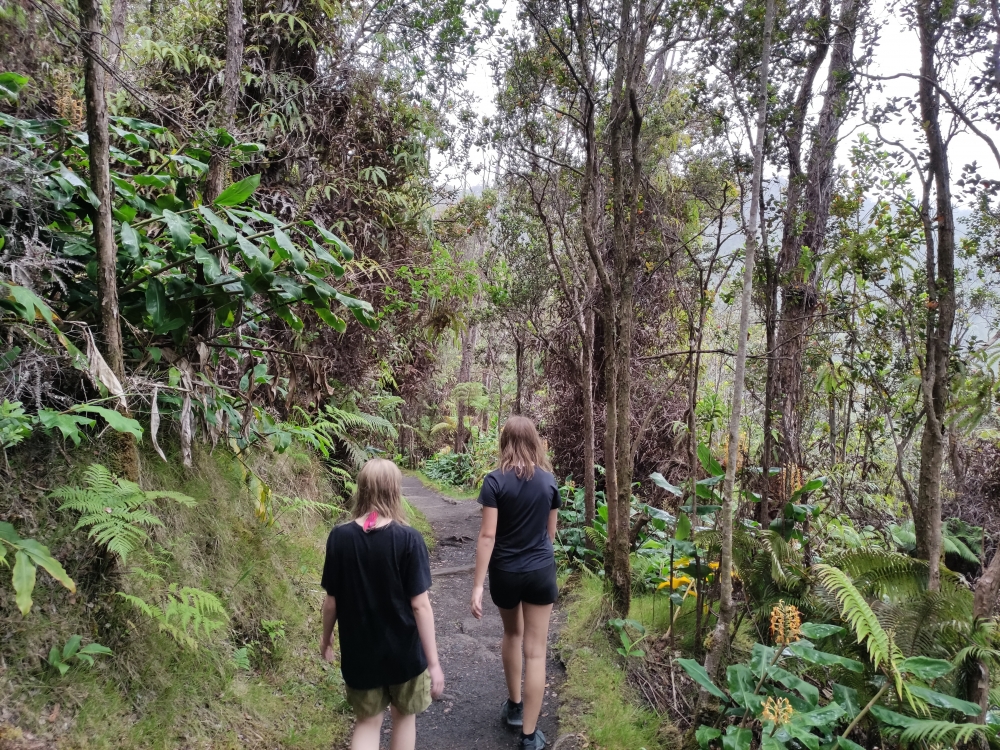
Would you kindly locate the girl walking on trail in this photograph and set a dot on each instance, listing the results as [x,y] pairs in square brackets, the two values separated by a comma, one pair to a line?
[376,577]
[520,502]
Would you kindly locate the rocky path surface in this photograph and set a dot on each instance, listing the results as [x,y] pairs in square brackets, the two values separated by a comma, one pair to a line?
[468,716]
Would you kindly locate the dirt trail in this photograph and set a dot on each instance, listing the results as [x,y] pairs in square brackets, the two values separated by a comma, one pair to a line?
[469,714]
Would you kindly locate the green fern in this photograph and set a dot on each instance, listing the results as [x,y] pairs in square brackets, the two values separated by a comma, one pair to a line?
[859,615]
[943,733]
[186,614]
[352,430]
[115,510]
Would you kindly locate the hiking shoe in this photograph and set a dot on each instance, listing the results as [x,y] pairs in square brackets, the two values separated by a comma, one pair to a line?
[534,741]
[512,714]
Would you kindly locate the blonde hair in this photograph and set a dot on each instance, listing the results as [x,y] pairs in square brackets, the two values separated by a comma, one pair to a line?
[379,489]
[521,449]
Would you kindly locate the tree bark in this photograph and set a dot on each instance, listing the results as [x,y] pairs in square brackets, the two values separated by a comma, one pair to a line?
[464,373]
[984,600]
[116,37]
[805,225]
[720,637]
[940,303]
[518,357]
[218,166]
[91,28]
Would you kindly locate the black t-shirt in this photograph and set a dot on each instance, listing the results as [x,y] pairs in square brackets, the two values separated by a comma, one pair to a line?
[373,575]
[523,506]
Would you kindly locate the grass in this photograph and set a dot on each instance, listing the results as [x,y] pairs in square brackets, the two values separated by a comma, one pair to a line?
[456,493]
[154,692]
[419,521]
[597,701]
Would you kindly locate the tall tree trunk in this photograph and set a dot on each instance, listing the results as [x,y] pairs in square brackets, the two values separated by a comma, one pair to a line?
[100,182]
[720,638]
[116,37]
[464,373]
[940,302]
[219,164]
[518,357]
[587,384]
[805,227]
[984,600]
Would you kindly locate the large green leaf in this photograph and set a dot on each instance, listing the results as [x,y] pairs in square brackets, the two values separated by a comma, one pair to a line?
[209,263]
[24,581]
[156,302]
[11,85]
[925,668]
[179,228]
[699,675]
[737,739]
[224,233]
[742,684]
[116,421]
[342,247]
[253,255]
[68,424]
[940,700]
[818,630]
[238,192]
[704,736]
[824,659]
[130,241]
[848,698]
[660,481]
[806,689]
[41,556]
[708,462]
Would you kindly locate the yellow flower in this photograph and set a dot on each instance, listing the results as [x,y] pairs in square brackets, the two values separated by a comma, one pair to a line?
[785,623]
[713,566]
[779,711]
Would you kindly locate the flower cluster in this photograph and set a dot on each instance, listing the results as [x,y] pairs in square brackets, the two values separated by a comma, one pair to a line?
[778,710]
[785,623]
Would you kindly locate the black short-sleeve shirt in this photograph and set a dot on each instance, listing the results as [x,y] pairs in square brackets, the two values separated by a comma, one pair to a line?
[373,575]
[523,506]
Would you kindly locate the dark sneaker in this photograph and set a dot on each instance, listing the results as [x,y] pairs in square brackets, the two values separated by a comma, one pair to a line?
[535,741]
[512,714]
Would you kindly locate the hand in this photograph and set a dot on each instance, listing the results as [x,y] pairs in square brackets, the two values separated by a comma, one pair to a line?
[477,602]
[326,650]
[437,681]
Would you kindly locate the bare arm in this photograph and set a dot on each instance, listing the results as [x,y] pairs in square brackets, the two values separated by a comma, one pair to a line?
[424,616]
[329,619]
[553,518]
[484,551]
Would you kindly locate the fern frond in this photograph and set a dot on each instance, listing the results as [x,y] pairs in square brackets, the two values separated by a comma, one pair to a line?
[945,733]
[859,615]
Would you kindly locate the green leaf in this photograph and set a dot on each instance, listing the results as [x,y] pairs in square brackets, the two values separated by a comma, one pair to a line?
[11,85]
[925,667]
[704,736]
[179,228]
[940,700]
[699,675]
[8,534]
[742,684]
[660,481]
[708,463]
[96,649]
[683,528]
[811,486]
[224,233]
[342,247]
[737,739]
[891,718]
[817,631]
[156,302]
[24,581]
[71,647]
[41,556]
[238,192]
[68,424]
[209,263]
[115,420]
[253,255]
[130,241]
[824,659]
[806,689]
[153,180]
[848,698]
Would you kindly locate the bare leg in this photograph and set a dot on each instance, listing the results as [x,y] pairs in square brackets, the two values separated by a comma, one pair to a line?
[367,733]
[536,636]
[510,650]
[404,730]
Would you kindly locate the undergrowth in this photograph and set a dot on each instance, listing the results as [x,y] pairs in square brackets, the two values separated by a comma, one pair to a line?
[448,490]
[597,701]
[255,681]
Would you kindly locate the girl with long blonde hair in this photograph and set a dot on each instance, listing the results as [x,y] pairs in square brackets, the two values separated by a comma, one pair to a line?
[520,502]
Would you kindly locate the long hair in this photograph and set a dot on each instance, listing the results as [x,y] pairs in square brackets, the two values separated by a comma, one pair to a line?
[379,489]
[521,449]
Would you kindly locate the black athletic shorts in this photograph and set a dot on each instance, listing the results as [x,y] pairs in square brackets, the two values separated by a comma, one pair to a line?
[507,590]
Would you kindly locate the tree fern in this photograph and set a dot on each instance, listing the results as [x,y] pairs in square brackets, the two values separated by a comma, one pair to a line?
[115,510]
[187,614]
[352,430]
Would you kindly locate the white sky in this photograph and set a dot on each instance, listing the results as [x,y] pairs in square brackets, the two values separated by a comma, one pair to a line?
[897,52]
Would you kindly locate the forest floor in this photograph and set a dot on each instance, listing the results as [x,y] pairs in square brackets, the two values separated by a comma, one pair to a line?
[468,715]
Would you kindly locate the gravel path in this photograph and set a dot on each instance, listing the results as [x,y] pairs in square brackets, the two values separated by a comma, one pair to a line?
[468,716]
